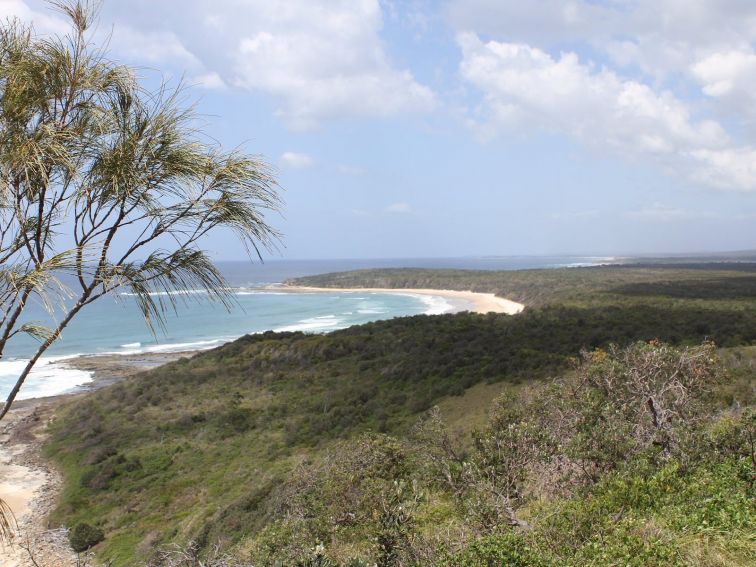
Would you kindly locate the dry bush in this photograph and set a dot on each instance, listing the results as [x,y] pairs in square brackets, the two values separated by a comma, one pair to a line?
[190,556]
[621,403]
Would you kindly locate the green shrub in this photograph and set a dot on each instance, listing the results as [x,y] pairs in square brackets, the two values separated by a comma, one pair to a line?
[497,551]
[631,543]
[84,536]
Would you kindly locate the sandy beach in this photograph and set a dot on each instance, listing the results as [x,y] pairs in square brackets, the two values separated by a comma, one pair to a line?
[463,300]
[29,486]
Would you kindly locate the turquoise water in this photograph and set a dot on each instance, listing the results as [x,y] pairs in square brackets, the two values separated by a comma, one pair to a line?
[113,325]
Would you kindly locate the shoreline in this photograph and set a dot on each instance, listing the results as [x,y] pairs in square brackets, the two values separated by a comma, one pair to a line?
[480,302]
[30,486]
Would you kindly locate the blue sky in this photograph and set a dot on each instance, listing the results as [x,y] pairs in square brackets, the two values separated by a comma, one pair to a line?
[481,127]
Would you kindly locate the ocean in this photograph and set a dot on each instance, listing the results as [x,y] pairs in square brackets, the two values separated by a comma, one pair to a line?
[113,325]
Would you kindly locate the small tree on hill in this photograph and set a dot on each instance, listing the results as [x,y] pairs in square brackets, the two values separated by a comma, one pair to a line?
[499,468]
[107,184]
[645,398]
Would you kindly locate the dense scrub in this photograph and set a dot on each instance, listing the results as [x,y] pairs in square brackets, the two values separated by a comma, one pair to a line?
[275,443]
[645,472]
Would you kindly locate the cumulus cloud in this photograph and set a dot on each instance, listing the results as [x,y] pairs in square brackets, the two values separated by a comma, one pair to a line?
[324,60]
[524,86]
[533,21]
[136,44]
[729,77]
[730,168]
[658,36]
[705,45]
[294,160]
[524,83]
[208,81]
[320,59]
[152,47]
[45,20]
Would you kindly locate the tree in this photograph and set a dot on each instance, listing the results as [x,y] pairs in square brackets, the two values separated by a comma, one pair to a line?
[7,524]
[644,399]
[500,467]
[108,185]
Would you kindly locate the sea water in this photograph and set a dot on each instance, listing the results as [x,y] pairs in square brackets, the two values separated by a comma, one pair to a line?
[114,325]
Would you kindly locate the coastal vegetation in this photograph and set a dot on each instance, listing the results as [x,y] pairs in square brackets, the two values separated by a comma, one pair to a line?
[601,426]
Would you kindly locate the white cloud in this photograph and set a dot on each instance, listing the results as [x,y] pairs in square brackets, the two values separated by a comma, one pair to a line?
[524,87]
[730,78]
[524,83]
[667,37]
[401,208]
[730,168]
[130,42]
[152,46]
[320,59]
[294,160]
[722,74]
[208,81]
[659,36]
[690,45]
[45,21]
[324,60]
[532,21]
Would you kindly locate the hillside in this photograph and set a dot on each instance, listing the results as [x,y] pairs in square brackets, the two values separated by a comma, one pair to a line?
[256,445]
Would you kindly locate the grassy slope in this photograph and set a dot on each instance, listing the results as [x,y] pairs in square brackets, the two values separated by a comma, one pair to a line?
[194,449]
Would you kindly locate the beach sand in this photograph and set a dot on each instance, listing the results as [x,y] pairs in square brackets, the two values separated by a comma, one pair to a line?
[463,300]
[29,486]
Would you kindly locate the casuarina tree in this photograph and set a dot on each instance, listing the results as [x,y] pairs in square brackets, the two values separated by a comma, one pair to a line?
[106,185]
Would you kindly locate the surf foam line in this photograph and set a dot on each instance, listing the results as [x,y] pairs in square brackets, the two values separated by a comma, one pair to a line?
[435,304]
[322,323]
[49,377]
[184,292]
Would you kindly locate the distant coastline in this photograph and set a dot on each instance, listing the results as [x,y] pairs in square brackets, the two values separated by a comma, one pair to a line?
[479,302]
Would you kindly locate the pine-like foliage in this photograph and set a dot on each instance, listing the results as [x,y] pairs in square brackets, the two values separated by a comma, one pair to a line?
[108,184]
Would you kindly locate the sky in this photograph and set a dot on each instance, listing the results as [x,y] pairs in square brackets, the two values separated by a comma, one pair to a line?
[421,128]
